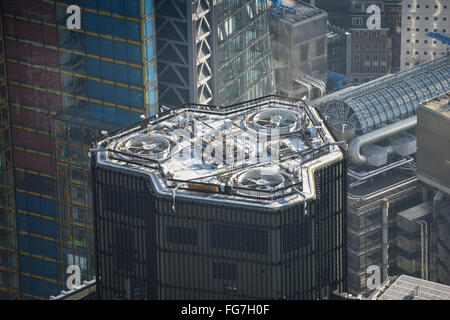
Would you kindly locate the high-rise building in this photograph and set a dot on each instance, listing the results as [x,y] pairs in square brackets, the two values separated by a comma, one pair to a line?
[213,52]
[338,57]
[378,120]
[243,202]
[299,46]
[419,18]
[433,152]
[59,89]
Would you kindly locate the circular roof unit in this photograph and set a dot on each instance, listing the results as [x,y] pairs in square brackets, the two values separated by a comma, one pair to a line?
[152,147]
[259,181]
[284,120]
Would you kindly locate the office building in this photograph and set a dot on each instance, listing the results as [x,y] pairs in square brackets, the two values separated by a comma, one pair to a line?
[61,88]
[378,121]
[193,206]
[433,123]
[338,57]
[213,52]
[419,18]
[299,45]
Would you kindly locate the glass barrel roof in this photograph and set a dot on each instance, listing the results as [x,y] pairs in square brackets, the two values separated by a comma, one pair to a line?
[386,100]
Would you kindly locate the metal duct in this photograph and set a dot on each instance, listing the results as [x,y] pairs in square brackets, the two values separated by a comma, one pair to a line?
[354,150]
[385,223]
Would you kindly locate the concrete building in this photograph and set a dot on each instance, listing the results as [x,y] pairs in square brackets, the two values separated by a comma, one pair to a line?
[223,212]
[213,52]
[59,89]
[434,170]
[338,57]
[419,18]
[378,119]
[299,45]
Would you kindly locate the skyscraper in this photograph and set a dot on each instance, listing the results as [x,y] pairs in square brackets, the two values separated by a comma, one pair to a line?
[59,89]
[190,206]
[213,52]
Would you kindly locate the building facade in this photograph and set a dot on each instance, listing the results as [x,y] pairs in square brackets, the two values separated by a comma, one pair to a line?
[229,224]
[393,10]
[213,52]
[378,120]
[299,45]
[419,18]
[60,88]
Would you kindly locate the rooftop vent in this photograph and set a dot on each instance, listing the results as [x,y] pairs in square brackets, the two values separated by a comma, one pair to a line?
[152,147]
[275,118]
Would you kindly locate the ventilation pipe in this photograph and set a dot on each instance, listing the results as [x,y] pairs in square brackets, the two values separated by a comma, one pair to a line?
[354,150]
[385,245]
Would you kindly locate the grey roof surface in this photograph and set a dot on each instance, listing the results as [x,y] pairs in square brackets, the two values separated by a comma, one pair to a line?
[418,211]
[386,100]
[409,288]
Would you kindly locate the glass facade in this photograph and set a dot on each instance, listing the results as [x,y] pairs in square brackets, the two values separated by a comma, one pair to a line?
[62,88]
[245,69]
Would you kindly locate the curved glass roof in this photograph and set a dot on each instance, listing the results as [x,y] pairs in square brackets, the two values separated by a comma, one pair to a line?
[388,99]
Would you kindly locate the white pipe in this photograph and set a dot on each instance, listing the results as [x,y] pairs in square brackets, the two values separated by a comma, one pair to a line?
[385,222]
[354,151]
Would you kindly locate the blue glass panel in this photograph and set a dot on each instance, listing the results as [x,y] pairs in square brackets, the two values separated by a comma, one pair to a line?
[109,114]
[120,50]
[136,98]
[108,92]
[107,70]
[134,53]
[90,3]
[150,74]
[148,6]
[37,225]
[148,28]
[151,96]
[119,27]
[94,89]
[96,111]
[133,30]
[90,21]
[118,7]
[135,76]
[121,74]
[149,50]
[135,117]
[104,5]
[93,67]
[106,47]
[92,44]
[123,117]
[132,8]
[121,96]
[105,24]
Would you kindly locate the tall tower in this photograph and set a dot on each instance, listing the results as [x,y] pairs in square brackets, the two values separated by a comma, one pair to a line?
[212,215]
[59,89]
[213,52]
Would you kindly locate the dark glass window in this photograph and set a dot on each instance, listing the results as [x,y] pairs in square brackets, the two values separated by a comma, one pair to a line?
[181,235]
[239,238]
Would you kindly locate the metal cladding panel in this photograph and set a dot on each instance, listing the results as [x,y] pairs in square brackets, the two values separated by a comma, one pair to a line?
[193,249]
[125,247]
[433,147]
